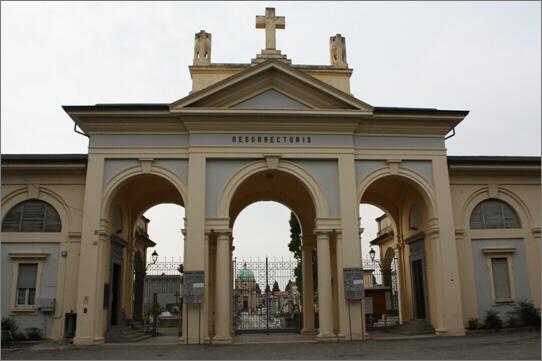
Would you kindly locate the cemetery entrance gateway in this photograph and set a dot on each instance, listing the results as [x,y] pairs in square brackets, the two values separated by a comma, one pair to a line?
[267,296]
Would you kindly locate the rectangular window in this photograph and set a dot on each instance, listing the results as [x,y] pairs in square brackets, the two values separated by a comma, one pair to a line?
[26,284]
[501,280]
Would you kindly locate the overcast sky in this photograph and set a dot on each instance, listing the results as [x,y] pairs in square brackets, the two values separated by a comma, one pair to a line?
[484,57]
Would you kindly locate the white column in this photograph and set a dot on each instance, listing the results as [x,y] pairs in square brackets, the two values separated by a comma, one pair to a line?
[400,276]
[308,290]
[324,289]
[344,321]
[223,260]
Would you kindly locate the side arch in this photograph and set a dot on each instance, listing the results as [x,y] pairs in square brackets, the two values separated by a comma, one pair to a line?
[117,181]
[307,180]
[413,178]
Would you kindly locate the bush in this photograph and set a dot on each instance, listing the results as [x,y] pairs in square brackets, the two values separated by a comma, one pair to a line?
[493,320]
[9,329]
[474,323]
[33,333]
[294,319]
[526,314]
[20,337]
[512,321]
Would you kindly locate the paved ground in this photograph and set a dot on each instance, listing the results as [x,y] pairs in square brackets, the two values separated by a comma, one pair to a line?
[504,346]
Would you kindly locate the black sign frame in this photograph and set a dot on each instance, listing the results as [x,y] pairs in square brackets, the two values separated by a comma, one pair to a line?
[354,288]
[194,287]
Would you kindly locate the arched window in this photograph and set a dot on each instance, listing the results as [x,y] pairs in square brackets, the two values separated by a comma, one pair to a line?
[494,214]
[32,216]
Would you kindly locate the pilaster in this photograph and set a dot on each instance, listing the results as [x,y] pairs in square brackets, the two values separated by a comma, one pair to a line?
[89,329]
[348,246]
[194,254]
[442,233]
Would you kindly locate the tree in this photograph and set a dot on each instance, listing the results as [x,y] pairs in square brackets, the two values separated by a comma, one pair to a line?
[267,288]
[295,236]
[276,287]
[288,286]
[258,290]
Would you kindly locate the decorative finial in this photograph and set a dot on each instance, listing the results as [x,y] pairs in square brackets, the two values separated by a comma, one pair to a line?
[337,49]
[202,48]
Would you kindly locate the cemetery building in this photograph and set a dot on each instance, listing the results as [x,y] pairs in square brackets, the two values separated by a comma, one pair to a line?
[464,230]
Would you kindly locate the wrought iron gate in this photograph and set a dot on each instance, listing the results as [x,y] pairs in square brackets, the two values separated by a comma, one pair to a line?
[162,305]
[267,296]
[381,277]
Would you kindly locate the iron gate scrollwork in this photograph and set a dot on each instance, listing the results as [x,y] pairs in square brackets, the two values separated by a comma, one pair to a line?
[267,296]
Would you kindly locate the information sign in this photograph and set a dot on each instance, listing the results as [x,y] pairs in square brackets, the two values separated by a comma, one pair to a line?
[353,284]
[368,305]
[193,290]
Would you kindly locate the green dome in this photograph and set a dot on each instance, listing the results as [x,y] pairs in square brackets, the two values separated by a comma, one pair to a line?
[245,274]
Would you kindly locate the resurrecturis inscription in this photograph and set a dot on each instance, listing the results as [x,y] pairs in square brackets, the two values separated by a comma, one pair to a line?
[270,139]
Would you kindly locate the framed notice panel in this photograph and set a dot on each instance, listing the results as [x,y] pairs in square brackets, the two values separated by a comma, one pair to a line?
[353,284]
[193,290]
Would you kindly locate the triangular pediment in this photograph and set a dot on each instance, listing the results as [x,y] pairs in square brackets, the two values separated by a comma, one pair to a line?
[271,99]
[271,85]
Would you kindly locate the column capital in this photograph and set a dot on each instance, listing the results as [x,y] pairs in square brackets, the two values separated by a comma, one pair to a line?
[223,234]
[307,248]
[320,234]
[459,234]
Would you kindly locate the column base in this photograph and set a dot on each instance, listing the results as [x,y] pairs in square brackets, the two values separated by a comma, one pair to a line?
[217,340]
[78,340]
[357,336]
[450,331]
[309,331]
[326,337]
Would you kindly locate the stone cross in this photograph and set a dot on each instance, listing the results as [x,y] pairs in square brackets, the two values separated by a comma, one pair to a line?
[270,22]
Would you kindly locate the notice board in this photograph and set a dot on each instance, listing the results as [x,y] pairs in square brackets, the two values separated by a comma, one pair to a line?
[193,290]
[353,284]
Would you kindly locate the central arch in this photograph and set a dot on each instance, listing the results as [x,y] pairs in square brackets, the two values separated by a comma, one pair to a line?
[290,185]
[304,178]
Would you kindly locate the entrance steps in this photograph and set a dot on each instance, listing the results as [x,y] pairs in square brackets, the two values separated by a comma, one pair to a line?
[414,327]
[124,334]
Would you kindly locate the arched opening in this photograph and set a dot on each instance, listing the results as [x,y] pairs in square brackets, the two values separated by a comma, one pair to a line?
[267,274]
[145,214]
[379,267]
[405,255]
[268,293]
